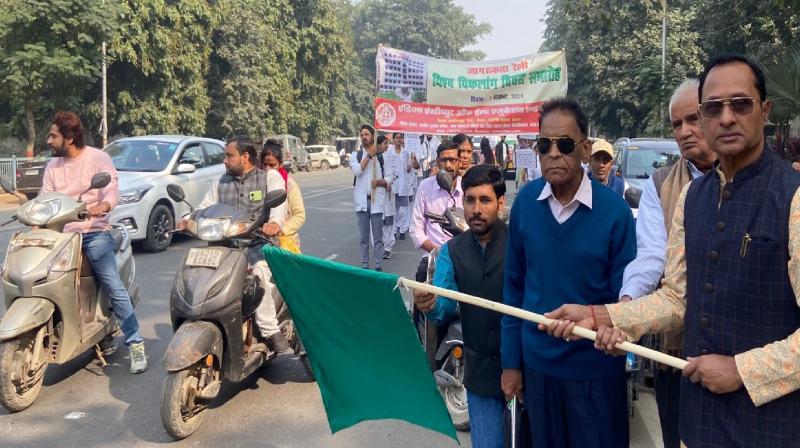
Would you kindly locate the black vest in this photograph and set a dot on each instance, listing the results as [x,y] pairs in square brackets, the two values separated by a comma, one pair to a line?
[480,273]
[738,298]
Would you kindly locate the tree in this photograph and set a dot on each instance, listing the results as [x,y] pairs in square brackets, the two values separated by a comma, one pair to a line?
[252,72]
[436,28]
[613,53]
[158,78]
[50,54]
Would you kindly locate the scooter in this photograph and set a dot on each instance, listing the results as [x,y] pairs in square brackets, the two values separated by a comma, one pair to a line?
[55,310]
[445,354]
[212,307]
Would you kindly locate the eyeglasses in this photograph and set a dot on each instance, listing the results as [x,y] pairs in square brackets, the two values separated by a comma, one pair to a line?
[740,105]
[566,145]
[449,160]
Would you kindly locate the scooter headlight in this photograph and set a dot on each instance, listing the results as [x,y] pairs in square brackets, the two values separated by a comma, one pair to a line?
[212,229]
[40,212]
[61,263]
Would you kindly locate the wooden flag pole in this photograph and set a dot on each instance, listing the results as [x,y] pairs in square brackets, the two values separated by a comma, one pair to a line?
[540,319]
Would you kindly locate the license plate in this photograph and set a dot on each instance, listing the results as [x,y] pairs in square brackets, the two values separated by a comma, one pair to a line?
[32,172]
[207,258]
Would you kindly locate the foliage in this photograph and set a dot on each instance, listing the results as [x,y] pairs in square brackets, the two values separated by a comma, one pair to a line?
[157,81]
[614,60]
[50,55]
[435,28]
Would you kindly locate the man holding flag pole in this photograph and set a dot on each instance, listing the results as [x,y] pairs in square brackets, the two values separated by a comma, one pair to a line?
[569,239]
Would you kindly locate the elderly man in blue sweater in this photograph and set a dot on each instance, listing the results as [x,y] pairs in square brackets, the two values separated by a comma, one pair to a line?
[569,240]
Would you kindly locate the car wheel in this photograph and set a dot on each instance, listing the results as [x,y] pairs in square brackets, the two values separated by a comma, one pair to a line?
[325,165]
[159,225]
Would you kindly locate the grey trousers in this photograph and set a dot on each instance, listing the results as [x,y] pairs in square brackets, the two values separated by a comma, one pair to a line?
[371,222]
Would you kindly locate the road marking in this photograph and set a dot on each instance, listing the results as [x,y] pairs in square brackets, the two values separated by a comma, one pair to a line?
[327,192]
[331,257]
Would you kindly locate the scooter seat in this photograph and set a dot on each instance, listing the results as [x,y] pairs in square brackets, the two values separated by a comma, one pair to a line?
[118,237]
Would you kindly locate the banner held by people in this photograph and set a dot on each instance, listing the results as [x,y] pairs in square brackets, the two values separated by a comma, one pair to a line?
[417,93]
[363,348]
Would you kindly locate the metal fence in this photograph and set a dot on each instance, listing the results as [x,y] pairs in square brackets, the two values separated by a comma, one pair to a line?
[8,167]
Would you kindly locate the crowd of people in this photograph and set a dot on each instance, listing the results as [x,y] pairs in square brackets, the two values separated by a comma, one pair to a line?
[710,266]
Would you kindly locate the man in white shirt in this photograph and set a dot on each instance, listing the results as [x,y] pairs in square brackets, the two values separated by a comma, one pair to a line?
[398,167]
[368,195]
[643,275]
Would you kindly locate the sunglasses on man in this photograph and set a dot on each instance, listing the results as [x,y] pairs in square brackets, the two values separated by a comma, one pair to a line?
[740,105]
[565,145]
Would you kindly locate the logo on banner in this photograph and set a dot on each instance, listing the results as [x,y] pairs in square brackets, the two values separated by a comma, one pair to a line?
[385,114]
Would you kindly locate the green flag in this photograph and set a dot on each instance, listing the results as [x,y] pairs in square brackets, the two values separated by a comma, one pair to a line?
[363,348]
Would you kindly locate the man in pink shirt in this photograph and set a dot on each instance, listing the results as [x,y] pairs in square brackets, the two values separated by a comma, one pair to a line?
[70,172]
[433,198]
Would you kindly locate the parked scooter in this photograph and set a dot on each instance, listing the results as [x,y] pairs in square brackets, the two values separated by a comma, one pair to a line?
[212,307]
[344,160]
[55,310]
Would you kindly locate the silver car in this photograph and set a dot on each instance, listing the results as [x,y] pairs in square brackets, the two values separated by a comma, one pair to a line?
[323,156]
[146,165]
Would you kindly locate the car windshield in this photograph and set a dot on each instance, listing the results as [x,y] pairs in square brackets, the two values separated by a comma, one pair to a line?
[640,163]
[141,155]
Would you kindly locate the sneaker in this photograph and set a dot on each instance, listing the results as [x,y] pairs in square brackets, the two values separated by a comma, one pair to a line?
[387,255]
[278,344]
[138,358]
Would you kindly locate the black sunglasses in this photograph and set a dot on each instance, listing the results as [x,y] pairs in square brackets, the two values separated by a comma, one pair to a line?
[566,145]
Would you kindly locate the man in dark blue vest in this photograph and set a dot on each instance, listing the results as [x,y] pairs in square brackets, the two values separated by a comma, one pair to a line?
[569,239]
[472,263]
[731,278]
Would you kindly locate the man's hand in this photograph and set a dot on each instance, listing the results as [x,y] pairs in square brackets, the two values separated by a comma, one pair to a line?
[99,209]
[716,373]
[271,229]
[181,224]
[511,383]
[607,340]
[625,298]
[425,301]
[565,318]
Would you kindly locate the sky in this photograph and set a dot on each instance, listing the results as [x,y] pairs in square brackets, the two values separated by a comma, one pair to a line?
[517,26]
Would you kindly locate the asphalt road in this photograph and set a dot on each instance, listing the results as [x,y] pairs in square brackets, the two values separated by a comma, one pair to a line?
[84,405]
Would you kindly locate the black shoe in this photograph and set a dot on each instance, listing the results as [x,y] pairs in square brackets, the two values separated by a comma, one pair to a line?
[378,269]
[402,236]
[387,255]
[278,344]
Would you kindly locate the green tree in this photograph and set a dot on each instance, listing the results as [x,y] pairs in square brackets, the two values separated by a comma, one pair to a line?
[50,55]
[613,53]
[158,78]
[436,28]
[253,68]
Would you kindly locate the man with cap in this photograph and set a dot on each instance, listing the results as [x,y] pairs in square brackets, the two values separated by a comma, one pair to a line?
[601,163]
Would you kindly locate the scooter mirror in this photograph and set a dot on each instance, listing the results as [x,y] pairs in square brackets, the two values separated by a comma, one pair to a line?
[6,185]
[100,180]
[444,180]
[274,198]
[175,192]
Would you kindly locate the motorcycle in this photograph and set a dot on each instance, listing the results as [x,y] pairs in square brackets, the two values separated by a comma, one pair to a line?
[55,309]
[344,160]
[445,353]
[212,307]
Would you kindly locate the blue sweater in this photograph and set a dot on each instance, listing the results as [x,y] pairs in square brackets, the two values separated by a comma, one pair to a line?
[548,264]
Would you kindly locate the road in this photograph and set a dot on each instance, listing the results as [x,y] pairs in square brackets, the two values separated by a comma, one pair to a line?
[84,405]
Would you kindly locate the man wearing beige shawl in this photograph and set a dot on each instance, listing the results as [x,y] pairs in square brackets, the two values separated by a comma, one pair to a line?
[643,275]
